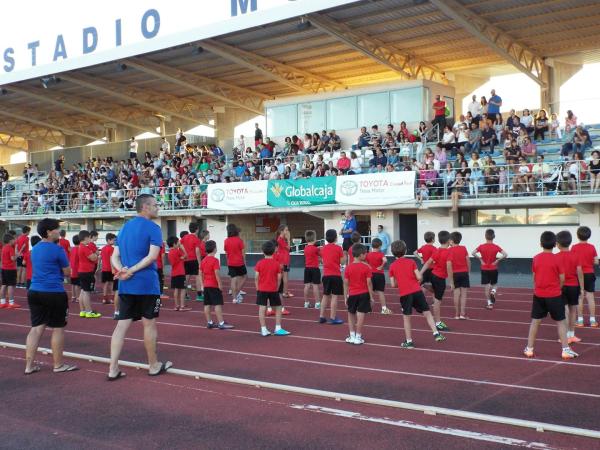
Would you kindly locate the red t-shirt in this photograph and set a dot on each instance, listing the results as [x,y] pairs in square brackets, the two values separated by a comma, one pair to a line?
[440,258]
[586,253]
[105,254]
[190,242]
[331,254]
[64,243]
[570,262]
[28,266]
[283,251]
[23,243]
[547,269]
[74,260]
[93,246]
[489,253]
[357,275]
[202,247]
[440,108]
[234,250]
[426,251]
[176,261]
[208,266]
[159,259]
[8,252]
[458,255]
[85,265]
[403,271]
[375,260]
[311,256]
[268,269]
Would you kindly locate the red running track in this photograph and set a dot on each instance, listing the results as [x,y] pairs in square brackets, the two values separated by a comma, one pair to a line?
[479,368]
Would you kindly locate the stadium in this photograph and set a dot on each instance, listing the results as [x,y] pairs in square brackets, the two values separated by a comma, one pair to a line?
[328,182]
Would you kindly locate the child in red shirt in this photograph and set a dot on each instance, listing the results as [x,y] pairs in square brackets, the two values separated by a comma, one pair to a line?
[489,259]
[358,291]
[107,277]
[424,253]
[282,237]
[268,277]
[333,286]
[236,261]
[211,280]
[87,265]
[74,261]
[377,260]
[177,255]
[439,273]
[405,275]
[589,258]
[312,273]
[548,279]
[9,272]
[571,289]
[459,266]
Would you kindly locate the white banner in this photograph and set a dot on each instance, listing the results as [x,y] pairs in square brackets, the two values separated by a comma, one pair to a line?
[237,196]
[375,188]
[42,38]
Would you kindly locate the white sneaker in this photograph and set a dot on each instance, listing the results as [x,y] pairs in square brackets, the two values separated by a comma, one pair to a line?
[318,305]
[189,286]
[350,340]
[242,292]
[386,310]
[239,298]
[307,304]
[358,341]
[265,333]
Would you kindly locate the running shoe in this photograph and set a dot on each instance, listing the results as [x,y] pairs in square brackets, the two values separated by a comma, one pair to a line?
[442,326]
[92,315]
[116,315]
[13,306]
[489,305]
[528,352]
[265,333]
[281,332]
[82,314]
[386,310]
[594,324]
[579,323]
[307,304]
[211,325]
[358,341]
[318,305]
[189,286]
[350,340]
[493,296]
[225,326]
[322,320]
[335,321]
[573,340]
[270,312]
[569,354]
[241,292]
[285,312]
[439,337]
[199,298]
[239,298]
[407,344]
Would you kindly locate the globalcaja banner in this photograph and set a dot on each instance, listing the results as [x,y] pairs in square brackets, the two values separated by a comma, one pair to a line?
[304,192]
[237,196]
[375,188]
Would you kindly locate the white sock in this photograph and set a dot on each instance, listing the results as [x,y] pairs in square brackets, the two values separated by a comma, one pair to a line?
[210,322]
[409,340]
[264,330]
[566,349]
[592,318]
[12,301]
[579,318]
[358,336]
[277,327]
[353,334]
[435,333]
[437,323]
[570,334]
[3,302]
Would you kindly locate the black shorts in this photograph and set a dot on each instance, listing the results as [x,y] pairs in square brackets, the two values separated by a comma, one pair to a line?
[271,298]
[415,301]
[544,305]
[48,308]
[178,282]
[439,286]
[333,285]
[20,262]
[426,276]
[237,271]
[213,296]
[28,284]
[285,268]
[115,285]
[132,155]
[191,267]
[346,244]
[489,277]
[9,277]
[461,280]
[87,281]
[106,277]
[312,275]
[378,280]
[570,295]
[135,307]
[75,281]
[589,282]
[359,303]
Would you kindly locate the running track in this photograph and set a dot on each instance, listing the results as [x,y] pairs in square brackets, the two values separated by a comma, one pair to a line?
[479,368]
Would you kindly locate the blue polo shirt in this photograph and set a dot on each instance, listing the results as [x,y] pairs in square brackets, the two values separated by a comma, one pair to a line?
[134,241]
[349,224]
[48,261]
[494,109]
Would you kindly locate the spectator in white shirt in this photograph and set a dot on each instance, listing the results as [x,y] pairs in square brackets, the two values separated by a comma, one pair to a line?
[474,107]
[133,148]
[165,146]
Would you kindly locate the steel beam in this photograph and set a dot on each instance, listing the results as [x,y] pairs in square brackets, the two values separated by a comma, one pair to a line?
[65,130]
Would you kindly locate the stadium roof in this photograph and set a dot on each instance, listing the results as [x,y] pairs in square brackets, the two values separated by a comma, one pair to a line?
[364,42]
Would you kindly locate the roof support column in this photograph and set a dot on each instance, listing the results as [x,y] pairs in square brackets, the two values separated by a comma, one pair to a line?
[558,74]
[463,86]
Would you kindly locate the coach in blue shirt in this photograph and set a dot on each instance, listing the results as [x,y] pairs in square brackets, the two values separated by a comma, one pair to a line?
[347,230]
[134,258]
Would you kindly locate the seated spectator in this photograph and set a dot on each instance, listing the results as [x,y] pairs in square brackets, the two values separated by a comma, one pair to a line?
[422,194]
[527,121]
[528,149]
[389,142]
[324,140]
[404,133]
[375,135]
[540,124]
[447,176]
[517,126]
[462,135]
[440,155]
[364,139]
[540,170]
[576,169]
[523,181]
[570,122]
[429,176]
[449,139]
[465,172]
[378,159]
[488,137]
[555,131]
[491,178]
[474,138]
[475,180]
[307,142]
[512,153]
[265,152]
[474,160]
[335,142]
[390,130]
[298,142]
[217,153]
[580,142]
[499,129]
[343,163]
[393,158]
[460,157]
[512,117]
[522,136]
[458,189]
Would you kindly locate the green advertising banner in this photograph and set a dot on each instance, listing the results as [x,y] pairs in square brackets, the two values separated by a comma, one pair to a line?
[312,191]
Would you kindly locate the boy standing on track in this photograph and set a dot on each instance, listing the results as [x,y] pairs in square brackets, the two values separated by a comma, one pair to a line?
[439,273]
[27,261]
[213,293]
[107,274]
[588,258]
[267,280]
[424,254]
[488,257]
[573,282]
[191,244]
[74,261]
[548,279]
[9,272]
[377,261]
[459,266]
[22,246]
[358,291]
[177,256]
[64,243]
[355,238]
[405,275]
[236,261]
[87,262]
[312,273]
[333,257]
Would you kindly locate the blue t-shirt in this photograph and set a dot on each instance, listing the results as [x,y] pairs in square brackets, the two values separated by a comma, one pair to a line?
[494,109]
[48,260]
[349,224]
[134,241]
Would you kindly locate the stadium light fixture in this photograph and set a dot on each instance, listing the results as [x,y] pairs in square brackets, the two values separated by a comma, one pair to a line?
[47,81]
[197,50]
[121,67]
[303,25]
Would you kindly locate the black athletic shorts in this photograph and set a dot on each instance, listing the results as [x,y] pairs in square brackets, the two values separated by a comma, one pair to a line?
[48,308]
[312,275]
[75,281]
[20,262]
[346,244]
[106,277]
[439,286]
[135,307]
[87,281]
[489,277]
[271,299]
[461,280]
[333,285]
[544,305]
[570,295]
[178,282]
[191,267]
[426,276]
[359,303]
[237,271]
[378,280]
[285,268]
[589,282]
[9,277]
[212,296]
[28,284]
[115,285]
[415,301]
